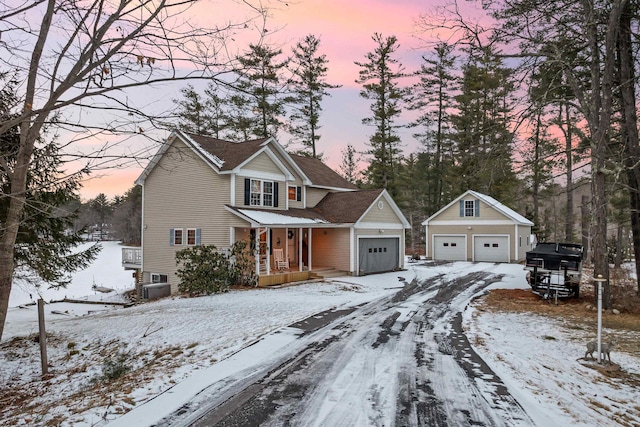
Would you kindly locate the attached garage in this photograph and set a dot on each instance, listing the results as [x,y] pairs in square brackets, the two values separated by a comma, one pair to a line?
[491,248]
[450,248]
[379,254]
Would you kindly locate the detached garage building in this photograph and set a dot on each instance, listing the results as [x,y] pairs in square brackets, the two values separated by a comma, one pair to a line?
[476,227]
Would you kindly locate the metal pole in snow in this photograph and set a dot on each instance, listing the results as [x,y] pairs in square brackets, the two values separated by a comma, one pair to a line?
[599,280]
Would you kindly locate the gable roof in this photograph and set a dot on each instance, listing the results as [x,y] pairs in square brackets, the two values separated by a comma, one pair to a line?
[226,156]
[232,154]
[320,174]
[347,207]
[505,210]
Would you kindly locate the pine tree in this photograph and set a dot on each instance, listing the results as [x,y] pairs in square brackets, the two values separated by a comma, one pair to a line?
[481,128]
[379,77]
[260,87]
[193,114]
[309,86]
[349,166]
[45,251]
[432,97]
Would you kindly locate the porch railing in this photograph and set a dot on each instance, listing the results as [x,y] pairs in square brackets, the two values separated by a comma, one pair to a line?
[131,257]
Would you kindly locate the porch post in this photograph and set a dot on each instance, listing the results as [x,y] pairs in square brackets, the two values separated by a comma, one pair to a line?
[268,262]
[256,252]
[309,245]
[300,266]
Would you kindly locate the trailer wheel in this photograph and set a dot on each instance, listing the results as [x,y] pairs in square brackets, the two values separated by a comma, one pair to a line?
[576,291]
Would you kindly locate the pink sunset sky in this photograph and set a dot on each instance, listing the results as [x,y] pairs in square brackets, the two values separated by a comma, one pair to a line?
[345,29]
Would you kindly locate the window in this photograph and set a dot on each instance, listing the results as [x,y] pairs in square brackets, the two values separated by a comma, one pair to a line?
[262,193]
[454,244]
[445,244]
[191,236]
[295,193]
[469,206]
[495,245]
[267,193]
[176,236]
[159,278]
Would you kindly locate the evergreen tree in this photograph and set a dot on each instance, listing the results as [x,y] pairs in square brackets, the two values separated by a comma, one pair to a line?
[481,128]
[216,110]
[379,77]
[349,167]
[309,86]
[431,97]
[127,217]
[45,251]
[193,114]
[260,87]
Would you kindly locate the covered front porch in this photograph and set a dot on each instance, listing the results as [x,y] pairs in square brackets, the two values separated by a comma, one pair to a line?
[287,254]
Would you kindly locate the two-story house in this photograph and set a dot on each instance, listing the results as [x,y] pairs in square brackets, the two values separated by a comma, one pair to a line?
[201,190]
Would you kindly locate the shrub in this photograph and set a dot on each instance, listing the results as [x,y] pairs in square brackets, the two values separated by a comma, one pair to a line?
[204,270]
[113,369]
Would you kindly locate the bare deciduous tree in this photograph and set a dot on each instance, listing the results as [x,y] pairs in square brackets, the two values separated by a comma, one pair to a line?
[81,61]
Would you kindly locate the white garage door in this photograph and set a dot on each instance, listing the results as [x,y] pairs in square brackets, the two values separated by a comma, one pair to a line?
[449,248]
[491,248]
[379,254]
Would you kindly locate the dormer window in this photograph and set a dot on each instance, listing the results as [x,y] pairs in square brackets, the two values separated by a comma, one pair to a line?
[261,193]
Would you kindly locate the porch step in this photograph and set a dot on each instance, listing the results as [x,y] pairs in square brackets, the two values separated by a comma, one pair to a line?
[327,273]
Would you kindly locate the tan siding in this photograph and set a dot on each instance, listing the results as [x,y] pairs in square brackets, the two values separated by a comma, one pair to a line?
[295,203]
[486,213]
[262,163]
[384,215]
[522,242]
[183,192]
[330,249]
[314,195]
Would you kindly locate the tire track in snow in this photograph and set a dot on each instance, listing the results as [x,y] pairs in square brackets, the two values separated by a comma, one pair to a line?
[400,360]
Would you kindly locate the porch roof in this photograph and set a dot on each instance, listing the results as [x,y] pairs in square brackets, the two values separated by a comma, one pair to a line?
[289,218]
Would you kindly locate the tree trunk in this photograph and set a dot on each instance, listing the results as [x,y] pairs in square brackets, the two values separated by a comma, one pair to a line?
[568,228]
[630,129]
[29,131]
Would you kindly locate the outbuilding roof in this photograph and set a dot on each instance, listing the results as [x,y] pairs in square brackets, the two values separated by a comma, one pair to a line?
[505,210]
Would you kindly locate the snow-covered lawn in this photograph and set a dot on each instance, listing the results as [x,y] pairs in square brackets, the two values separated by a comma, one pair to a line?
[178,340]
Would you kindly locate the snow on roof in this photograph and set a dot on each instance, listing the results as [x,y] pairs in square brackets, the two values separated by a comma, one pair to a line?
[272,218]
[213,158]
[502,208]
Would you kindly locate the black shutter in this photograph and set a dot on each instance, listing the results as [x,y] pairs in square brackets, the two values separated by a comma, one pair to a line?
[299,194]
[461,207]
[275,194]
[247,191]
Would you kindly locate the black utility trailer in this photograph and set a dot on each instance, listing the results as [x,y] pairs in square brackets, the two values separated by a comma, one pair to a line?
[554,269]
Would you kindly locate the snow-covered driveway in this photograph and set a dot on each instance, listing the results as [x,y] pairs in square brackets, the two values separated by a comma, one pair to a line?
[398,360]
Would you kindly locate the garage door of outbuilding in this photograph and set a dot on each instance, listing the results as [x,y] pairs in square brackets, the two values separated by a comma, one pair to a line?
[491,248]
[378,255]
[450,248]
